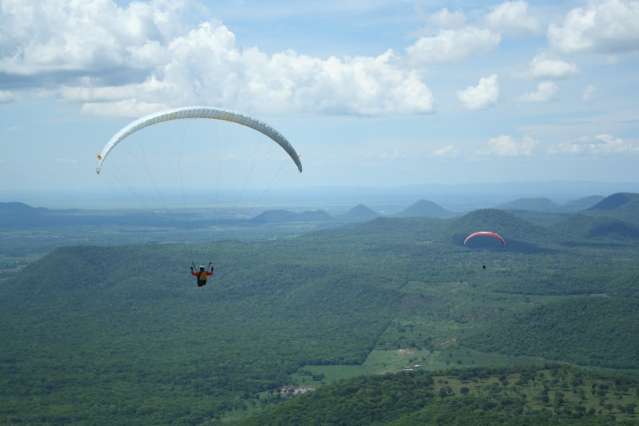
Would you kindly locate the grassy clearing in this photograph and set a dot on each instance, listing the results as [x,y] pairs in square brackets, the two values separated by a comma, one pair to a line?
[408,359]
[377,362]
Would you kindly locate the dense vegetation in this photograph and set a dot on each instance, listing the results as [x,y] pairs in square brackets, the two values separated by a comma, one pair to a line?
[130,319]
[119,334]
[526,396]
[591,331]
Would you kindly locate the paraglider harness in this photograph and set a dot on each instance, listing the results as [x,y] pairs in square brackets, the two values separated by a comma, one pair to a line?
[203,274]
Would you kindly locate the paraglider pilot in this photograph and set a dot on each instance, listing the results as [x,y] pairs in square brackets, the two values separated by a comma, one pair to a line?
[203,274]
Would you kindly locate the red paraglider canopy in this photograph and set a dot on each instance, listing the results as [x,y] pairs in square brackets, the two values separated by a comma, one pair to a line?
[490,234]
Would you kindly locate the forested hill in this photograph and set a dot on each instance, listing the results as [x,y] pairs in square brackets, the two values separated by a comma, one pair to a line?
[591,227]
[13,213]
[621,200]
[425,208]
[623,206]
[21,216]
[520,234]
[359,213]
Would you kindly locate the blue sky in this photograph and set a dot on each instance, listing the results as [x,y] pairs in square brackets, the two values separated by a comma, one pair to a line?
[371,93]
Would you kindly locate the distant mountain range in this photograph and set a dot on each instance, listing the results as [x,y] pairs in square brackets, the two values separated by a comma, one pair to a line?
[612,216]
[542,204]
[20,215]
[359,213]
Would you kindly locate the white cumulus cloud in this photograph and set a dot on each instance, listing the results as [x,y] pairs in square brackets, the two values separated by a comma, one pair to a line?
[128,60]
[606,26]
[61,36]
[483,95]
[507,146]
[512,17]
[603,144]
[450,45]
[543,66]
[545,91]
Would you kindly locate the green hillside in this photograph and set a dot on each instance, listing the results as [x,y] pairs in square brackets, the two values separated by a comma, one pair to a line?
[425,208]
[543,396]
[570,330]
[595,228]
[500,221]
[111,334]
[621,200]
[623,206]
[359,213]
[521,235]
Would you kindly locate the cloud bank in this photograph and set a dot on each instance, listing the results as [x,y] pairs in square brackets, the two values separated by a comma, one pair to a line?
[128,60]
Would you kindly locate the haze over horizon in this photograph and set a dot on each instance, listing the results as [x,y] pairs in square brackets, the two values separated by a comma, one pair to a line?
[458,198]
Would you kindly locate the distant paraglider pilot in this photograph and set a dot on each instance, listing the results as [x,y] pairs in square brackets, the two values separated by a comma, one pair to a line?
[203,274]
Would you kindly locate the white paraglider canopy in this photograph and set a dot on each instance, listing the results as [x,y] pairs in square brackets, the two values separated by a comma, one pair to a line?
[198,112]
